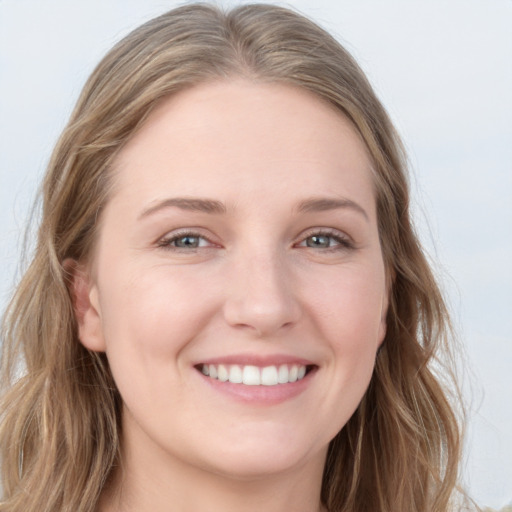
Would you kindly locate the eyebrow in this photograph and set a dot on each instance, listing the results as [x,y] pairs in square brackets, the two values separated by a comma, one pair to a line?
[320,204]
[186,203]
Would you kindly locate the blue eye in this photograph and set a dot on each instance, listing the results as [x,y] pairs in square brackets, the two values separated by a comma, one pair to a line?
[329,241]
[184,241]
[319,241]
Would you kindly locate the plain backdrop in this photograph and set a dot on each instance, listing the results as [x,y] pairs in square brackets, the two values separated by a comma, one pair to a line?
[444,71]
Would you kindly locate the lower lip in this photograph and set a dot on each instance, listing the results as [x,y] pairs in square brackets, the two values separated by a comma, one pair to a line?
[262,395]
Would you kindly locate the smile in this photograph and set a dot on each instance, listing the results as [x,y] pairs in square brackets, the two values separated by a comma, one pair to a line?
[251,375]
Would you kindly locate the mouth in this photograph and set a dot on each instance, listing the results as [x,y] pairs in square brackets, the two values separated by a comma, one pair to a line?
[251,375]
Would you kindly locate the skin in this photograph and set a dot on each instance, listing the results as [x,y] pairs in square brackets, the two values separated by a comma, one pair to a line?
[276,273]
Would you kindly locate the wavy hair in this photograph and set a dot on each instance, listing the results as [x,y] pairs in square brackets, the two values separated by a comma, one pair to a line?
[60,416]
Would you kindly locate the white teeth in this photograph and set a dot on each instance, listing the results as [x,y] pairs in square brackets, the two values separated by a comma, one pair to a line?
[253,375]
[235,375]
[282,376]
[222,373]
[269,376]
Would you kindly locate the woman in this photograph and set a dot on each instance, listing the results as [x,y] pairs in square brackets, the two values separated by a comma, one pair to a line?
[228,308]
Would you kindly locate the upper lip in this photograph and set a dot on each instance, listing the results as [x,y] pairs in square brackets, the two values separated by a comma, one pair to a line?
[257,360]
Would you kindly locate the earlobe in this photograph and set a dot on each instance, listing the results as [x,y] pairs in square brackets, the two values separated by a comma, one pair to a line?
[84,296]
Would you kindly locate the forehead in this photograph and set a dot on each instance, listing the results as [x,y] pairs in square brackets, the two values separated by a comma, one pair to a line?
[244,137]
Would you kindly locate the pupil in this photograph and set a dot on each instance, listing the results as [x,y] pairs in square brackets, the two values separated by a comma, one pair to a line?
[318,241]
[187,241]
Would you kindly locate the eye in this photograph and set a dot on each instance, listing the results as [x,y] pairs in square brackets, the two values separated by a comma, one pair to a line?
[187,242]
[320,241]
[330,240]
[184,241]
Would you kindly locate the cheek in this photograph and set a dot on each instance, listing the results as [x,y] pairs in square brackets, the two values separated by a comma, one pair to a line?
[350,307]
[148,317]
[349,312]
[147,321]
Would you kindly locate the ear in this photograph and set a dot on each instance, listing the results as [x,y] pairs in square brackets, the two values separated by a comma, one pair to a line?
[383,326]
[84,296]
[390,283]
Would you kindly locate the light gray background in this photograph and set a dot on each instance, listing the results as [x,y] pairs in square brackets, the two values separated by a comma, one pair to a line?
[444,71]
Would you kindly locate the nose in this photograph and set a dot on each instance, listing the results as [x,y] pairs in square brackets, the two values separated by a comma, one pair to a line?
[261,296]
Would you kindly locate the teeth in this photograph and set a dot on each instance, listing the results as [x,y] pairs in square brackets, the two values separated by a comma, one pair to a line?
[282,376]
[269,376]
[222,373]
[235,375]
[253,375]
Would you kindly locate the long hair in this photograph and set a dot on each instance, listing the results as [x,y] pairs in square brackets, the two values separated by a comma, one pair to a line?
[60,419]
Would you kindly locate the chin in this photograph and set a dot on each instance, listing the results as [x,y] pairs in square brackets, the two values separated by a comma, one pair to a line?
[259,459]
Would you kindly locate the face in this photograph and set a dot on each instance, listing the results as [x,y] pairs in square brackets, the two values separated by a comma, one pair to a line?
[237,284]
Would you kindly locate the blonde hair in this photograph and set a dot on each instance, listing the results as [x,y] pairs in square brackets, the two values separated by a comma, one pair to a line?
[60,423]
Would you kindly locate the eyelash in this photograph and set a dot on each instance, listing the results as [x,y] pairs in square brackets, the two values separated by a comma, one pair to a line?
[342,242]
[168,241]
